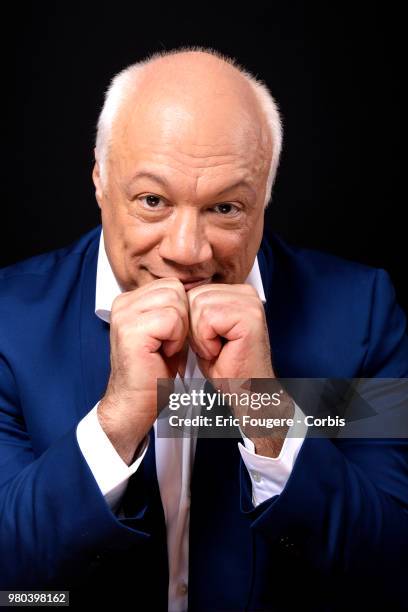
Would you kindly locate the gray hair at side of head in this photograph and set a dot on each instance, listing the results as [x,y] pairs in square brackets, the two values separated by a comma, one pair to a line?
[124,83]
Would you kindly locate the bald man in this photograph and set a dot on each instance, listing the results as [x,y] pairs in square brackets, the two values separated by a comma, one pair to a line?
[180,283]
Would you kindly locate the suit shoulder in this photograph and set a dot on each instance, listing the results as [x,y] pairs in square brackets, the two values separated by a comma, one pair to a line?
[342,313]
[45,263]
[45,277]
[313,267]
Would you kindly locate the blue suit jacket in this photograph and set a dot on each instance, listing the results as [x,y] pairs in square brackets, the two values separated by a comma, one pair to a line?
[341,522]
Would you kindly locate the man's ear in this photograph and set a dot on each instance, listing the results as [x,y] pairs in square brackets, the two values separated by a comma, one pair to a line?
[96,177]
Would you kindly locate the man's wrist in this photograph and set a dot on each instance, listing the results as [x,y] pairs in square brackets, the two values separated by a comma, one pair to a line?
[139,450]
[126,442]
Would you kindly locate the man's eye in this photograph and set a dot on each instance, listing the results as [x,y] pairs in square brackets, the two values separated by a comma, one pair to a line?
[151,201]
[226,209]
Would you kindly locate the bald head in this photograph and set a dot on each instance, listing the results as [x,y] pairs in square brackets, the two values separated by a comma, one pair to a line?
[193,102]
[195,98]
[206,97]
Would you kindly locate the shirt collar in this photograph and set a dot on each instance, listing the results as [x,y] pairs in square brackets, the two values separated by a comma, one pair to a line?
[108,288]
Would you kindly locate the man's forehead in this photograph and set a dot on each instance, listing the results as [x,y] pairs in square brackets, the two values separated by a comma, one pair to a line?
[197,151]
[213,175]
[199,105]
[195,129]
[217,187]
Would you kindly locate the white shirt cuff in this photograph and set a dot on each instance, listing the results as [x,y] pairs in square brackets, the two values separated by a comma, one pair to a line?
[269,475]
[108,468]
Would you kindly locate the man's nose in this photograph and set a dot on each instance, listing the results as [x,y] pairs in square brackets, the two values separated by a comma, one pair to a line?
[185,241]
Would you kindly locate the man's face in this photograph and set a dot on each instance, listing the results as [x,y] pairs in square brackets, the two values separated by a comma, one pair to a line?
[185,192]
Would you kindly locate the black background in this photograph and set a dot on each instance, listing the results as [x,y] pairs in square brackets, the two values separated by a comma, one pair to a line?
[336,70]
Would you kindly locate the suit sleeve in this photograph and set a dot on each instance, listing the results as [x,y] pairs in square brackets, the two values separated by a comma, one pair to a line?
[108,468]
[54,520]
[344,510]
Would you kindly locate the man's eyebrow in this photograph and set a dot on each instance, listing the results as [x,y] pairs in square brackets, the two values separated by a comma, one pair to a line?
[239,183]
[153,177]
[165,183]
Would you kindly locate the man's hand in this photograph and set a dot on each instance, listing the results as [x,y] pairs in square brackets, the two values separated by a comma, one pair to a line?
[228,332]
[148,329]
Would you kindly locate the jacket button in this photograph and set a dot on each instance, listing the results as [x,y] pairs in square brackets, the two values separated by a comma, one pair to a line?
[288,546]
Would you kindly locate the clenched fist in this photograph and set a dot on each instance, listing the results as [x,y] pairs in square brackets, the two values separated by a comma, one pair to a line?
[148,329]
[228,332]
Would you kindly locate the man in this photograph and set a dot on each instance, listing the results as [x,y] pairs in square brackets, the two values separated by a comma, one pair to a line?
[181,284]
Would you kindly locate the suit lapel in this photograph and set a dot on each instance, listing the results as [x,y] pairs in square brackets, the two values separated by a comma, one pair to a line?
[94,334]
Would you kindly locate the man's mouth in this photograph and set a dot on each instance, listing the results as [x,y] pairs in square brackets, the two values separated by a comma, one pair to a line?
[190,282]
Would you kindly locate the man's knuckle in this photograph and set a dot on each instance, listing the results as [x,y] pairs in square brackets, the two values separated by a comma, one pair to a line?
[200,300]
[258,314]
[125,333]
[166,293]
[176,283]
[171,313]
[249,290]
[208,312]
[117,304]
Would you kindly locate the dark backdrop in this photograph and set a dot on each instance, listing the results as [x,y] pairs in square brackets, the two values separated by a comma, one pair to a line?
[335,69]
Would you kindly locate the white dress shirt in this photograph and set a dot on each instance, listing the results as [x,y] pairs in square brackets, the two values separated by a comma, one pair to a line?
[174,455]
